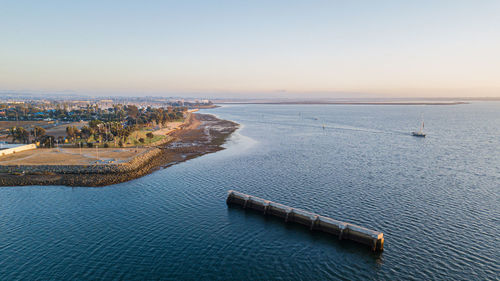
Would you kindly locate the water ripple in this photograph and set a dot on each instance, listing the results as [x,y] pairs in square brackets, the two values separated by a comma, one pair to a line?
[436,200]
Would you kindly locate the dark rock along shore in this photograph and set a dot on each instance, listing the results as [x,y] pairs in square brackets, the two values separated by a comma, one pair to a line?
[202,134]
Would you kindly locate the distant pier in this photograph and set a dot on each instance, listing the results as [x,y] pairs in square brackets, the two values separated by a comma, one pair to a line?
[342,230]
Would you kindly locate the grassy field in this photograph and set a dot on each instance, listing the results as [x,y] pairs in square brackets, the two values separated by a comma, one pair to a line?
[133,139]
[158,135]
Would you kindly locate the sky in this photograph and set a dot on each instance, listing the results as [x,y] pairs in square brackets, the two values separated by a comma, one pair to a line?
[252,48]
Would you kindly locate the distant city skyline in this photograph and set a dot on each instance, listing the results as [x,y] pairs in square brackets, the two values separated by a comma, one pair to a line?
[295,49]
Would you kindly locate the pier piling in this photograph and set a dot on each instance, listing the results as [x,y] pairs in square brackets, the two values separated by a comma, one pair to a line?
[342,230]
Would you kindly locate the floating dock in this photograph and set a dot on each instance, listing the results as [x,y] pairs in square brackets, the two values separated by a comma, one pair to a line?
[343,230]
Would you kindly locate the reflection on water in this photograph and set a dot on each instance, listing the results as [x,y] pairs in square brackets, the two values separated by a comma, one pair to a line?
[435,199]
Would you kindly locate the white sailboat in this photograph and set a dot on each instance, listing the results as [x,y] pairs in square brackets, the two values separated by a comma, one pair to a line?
[419,133]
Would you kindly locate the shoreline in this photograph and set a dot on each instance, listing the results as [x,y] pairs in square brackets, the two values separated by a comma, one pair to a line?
[200,135]
[350,103]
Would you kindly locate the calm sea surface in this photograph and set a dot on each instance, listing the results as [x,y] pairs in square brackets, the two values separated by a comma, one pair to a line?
[437,201]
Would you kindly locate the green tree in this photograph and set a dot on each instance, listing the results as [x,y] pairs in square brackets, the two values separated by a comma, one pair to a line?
[94,124]
[86,132]
[38,133]
[47,141]
[71,132]
[19,134]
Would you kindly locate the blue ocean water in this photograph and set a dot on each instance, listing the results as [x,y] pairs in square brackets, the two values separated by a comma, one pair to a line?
[436,199]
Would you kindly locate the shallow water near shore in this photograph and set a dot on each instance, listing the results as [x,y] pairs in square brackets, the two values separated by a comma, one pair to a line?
[436,199]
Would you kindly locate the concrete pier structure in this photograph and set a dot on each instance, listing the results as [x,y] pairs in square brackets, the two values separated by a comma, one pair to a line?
[342,230]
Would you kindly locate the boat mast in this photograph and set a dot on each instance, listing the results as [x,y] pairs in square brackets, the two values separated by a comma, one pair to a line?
[422,118]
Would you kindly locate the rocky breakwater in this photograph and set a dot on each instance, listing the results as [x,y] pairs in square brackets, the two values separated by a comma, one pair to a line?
[202,134]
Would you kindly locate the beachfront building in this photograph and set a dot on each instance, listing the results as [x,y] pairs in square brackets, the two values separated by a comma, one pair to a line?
[9,148]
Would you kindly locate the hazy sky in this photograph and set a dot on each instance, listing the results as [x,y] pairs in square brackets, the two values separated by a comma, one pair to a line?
[339,48]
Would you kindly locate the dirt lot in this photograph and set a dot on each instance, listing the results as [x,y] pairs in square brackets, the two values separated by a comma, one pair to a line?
[24,124]
[6,125]
[60,130]
[49,126]
[70,156]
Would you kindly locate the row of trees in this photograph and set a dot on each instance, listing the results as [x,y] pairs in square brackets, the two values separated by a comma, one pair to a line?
[24,136]
[129,113]
[37,134]
[100,131]
[148,116]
